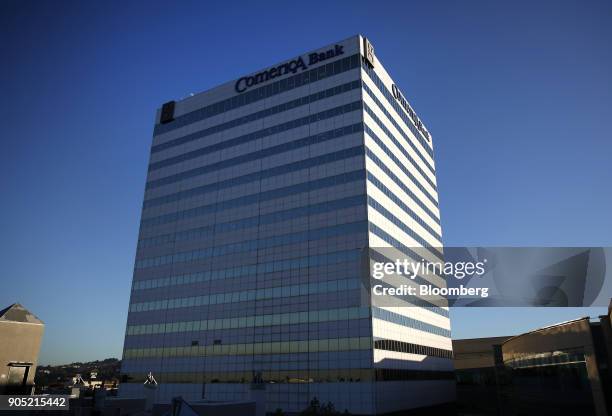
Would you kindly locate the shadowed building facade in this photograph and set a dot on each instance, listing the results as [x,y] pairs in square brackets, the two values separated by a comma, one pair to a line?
[562,369]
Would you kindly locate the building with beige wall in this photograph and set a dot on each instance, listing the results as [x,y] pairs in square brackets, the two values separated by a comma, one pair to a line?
[20,337]
[475,353]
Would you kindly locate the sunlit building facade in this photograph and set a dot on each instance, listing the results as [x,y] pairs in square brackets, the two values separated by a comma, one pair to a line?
[261,196]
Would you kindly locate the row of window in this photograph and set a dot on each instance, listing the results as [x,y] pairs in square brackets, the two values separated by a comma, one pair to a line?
[256,135]
[383,108]
[393,197]
[256,176]
[393,242]
[255,244]
[255,221]
[278,362]
[402,226]
[546,359]
[279,292]
[266,267]
[249,157]
[198,277]
[284,292]
[293,318]
[408,322]
[251,270]
[398,145]
[398,109]
[400,165]
[340,89]
[330,181]
[324,315]
[204,276]
[400,346]
[241,272]
[396,374]
[402,185]
[280,347]
[257,94]
[312,375]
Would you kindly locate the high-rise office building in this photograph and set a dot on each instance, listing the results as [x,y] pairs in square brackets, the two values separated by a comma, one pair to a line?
[261,196]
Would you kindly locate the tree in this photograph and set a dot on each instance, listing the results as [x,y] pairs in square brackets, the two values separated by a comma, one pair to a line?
[328,409]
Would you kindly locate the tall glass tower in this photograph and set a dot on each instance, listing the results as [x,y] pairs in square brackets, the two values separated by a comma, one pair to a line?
[261,196]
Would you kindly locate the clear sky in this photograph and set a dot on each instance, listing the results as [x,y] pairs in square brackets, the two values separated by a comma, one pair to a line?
[517,95]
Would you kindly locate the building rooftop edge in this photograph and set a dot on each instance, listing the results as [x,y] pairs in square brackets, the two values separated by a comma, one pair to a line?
[494,337]
[547,327]
[17,313]
[233,80]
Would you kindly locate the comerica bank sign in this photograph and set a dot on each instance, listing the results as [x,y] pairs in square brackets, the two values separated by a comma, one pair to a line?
[399,97]
[290,67]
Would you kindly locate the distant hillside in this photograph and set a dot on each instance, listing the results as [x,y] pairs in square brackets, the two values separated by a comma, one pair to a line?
[52,375]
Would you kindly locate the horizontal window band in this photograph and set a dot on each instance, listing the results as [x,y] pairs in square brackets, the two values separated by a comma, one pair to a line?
[403,186]
[254,221]
[378,207]
[279,347]
[396,318]
[249,157]
[310,375]
[292,318]
[408,348]
[386,112]
[195,255]
[395,374]
[397,144]
[252,321]
[345,178]
[290,105]
[248,295]
[398,109]
[257,94]
[399,164]
[393,197]
[256,176]
[280,265]
[253,245]
[558,357]
[259,134]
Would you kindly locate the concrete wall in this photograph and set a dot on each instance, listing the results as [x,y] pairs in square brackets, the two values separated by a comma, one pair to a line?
[19,342]
[475,353]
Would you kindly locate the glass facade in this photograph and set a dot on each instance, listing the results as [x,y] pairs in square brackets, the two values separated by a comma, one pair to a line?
[257,210]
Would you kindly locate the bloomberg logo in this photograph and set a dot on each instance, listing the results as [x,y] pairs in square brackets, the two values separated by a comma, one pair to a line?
[397,94]
[290,67]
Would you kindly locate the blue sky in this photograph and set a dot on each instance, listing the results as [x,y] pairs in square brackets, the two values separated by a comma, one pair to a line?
[517,95]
